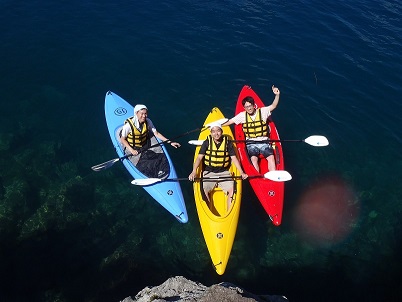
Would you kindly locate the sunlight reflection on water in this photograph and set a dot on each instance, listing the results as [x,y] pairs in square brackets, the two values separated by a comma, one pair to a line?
[327,212]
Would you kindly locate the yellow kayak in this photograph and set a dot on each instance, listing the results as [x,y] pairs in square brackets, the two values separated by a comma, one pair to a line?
[218,224]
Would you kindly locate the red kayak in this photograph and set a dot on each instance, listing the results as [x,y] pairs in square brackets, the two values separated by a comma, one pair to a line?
[270,193]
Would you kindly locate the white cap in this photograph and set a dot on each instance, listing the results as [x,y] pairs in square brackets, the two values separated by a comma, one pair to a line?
[215,124]
[139,107]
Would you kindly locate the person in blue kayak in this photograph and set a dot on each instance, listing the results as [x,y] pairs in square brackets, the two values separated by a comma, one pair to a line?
[217,153]
[256,128]
[137,131]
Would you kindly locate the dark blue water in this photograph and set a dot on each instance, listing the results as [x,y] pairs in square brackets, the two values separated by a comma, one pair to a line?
[70,234]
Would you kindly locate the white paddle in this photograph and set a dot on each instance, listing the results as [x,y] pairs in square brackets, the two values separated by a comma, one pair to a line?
[277,175]
[314,140]
[220,121]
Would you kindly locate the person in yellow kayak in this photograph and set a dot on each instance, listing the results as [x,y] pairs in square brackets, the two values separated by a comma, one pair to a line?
[217,153]
[137,131]
[256,128]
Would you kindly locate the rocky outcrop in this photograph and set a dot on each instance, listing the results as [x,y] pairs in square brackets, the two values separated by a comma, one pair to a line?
[180,289]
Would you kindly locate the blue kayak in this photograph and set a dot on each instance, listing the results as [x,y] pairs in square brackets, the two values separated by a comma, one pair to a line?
[166,193]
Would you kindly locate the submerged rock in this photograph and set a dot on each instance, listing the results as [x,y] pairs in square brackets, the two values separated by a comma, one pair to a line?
[180,289]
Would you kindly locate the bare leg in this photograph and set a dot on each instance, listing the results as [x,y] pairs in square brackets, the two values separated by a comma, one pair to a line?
[271,163]
[207,196]
[229,200]
[254,161]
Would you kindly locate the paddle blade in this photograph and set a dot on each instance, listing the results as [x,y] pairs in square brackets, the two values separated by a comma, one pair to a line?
[317,141]
[105,165]
[196,142]
[278,175]
[145,181]
[221,121]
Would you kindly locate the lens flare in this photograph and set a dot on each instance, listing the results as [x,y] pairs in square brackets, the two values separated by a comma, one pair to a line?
[327,212]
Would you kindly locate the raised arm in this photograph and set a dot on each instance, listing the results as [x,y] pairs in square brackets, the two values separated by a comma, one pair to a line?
[228,122]
[277,93]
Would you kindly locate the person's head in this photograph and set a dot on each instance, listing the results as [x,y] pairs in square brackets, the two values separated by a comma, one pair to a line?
[216,130]
[141,112]
[248,104]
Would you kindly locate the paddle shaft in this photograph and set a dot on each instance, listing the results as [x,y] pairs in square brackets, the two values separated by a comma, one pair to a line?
[267,141]
[212,178]
[199,142]
[313,140]
[280,175]
[176,137]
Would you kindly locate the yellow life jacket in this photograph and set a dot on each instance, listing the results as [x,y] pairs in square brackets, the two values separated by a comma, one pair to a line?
[217,157]
[255,128]
[135,138]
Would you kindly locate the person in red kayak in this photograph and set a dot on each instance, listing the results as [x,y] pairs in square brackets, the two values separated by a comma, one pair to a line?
[256,128]
[217,153]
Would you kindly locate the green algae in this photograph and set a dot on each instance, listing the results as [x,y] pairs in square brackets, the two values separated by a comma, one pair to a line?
[5,141]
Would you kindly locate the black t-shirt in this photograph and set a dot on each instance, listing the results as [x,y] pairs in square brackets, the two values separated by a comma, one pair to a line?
[204,147]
